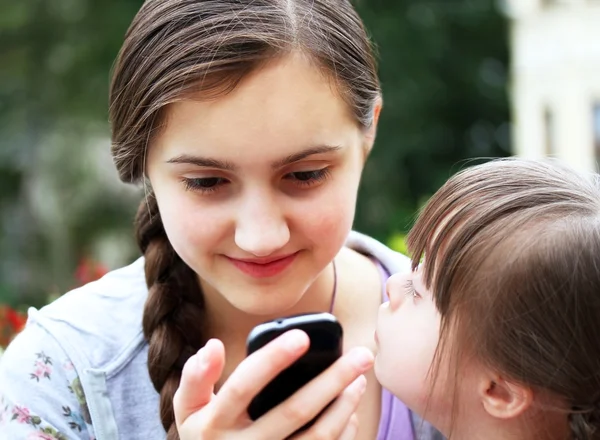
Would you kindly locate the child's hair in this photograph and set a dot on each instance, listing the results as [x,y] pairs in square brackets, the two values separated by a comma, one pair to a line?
[178,48]
[511,251]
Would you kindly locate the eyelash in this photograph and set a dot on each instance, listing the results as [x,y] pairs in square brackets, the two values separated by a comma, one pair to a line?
[315,176]
[410,289]
[197,184]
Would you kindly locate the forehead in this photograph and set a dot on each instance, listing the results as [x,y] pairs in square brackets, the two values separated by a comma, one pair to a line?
[286,103]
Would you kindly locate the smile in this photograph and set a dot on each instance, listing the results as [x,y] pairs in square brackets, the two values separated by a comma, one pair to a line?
[264,267]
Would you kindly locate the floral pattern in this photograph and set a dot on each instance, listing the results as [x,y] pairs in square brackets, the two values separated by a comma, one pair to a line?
[76,413]
[43,367]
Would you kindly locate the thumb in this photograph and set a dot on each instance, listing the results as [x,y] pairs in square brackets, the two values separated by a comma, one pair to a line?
[198,378]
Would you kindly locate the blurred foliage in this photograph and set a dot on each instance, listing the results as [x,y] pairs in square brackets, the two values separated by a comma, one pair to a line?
[397,242]
[443,69]
[54,202]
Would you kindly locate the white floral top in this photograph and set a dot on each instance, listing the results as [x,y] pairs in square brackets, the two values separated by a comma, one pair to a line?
[54,407]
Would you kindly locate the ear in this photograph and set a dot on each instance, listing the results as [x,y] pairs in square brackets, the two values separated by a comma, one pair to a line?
[504,399]
[372,130]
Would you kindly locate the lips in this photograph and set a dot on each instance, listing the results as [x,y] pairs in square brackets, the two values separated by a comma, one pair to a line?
[263,267]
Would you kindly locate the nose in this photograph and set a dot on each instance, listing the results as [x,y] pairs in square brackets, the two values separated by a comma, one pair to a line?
[396,289]
[261,228]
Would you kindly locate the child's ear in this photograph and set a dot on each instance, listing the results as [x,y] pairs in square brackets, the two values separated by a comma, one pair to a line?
[504,399]
[372,130]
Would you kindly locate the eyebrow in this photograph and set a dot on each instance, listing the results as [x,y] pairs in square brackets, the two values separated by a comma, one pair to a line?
[207,162]
[296,157]
[202,162]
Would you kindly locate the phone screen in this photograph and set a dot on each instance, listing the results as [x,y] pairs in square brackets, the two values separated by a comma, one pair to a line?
[326,337]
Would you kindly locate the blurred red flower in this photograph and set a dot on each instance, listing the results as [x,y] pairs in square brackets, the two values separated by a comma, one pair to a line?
[11,323]
[88,270]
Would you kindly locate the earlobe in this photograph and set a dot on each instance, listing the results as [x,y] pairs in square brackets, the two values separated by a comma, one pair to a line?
[503,399]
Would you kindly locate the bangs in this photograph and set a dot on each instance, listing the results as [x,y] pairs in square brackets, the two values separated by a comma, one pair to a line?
[479,208]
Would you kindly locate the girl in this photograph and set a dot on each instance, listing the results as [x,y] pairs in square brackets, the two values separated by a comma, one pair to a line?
[248,123]
[497,323]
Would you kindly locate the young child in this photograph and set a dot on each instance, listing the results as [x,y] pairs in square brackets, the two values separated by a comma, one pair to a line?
[495,333]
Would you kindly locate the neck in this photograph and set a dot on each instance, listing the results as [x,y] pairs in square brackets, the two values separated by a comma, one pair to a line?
[232,325]
[533,425]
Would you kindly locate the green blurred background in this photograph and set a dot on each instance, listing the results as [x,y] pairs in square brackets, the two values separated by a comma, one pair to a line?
[443,66]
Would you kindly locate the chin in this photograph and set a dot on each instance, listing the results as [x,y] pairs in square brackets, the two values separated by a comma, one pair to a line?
[390,378]
[265,313]
[379,369]
[266,305]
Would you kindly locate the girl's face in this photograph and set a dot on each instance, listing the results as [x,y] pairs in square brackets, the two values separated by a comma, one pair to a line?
[257,188]
[407,337]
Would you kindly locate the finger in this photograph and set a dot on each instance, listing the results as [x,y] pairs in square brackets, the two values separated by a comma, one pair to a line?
[351,429]
[254,373]
[310,400]
[334,423]
[198,378]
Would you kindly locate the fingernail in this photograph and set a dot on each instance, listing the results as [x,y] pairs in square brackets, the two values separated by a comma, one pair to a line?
[202,359]
[295,340]
[363,358]
[361,384]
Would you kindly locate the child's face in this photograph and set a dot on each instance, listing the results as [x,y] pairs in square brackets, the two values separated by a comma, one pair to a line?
[257,188]
[407,337]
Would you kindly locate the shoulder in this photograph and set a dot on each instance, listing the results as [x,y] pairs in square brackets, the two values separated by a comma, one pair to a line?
[97,324]
[393,261]
[40,390]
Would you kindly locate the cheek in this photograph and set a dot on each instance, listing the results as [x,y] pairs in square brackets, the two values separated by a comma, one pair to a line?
[408,340]
[326,218]
[328,215]
[190,225]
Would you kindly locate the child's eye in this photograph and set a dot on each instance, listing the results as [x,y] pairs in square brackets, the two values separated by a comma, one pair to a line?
[308,178]
[204,185]
[409,289]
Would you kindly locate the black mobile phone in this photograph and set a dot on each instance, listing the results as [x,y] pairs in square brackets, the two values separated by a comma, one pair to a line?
[326,337]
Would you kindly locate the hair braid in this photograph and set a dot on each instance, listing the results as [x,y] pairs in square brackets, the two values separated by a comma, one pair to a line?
[173,311]
[585,423]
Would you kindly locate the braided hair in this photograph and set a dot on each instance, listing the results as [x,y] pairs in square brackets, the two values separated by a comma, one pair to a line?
[172,313]
[584,422]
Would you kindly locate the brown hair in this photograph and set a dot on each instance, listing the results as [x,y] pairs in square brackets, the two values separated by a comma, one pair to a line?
[176,48]
[512,254]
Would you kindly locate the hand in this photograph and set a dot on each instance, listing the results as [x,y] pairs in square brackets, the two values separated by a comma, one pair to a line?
[200,414]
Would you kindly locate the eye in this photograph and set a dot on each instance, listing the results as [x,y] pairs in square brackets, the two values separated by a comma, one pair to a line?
[308,178]
[204,184]
[409,289]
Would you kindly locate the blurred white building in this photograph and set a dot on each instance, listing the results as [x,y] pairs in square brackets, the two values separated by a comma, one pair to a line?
[555,79]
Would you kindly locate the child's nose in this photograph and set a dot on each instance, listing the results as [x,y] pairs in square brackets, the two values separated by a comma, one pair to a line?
[395,287]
